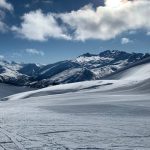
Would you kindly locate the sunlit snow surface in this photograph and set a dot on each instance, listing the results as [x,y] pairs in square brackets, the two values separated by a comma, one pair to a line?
[103,115]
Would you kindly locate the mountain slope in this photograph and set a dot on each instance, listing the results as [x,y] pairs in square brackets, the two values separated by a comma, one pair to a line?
[139,71]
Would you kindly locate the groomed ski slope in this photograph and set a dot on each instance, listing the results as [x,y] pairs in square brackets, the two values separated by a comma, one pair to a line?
[93,115]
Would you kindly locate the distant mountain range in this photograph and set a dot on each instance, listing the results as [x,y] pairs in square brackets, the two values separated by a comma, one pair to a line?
[85,67]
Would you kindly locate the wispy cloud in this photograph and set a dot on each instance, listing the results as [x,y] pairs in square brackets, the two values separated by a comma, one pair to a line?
[27,5]
[43,1]
[2,26]
[49,2]
[38,2]
[2,56]
[125,41]
[5,5]
[34,52]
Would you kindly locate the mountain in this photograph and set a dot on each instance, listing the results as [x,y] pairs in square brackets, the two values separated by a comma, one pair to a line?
[128,81]
[85,67]
[108,61]
[9,73]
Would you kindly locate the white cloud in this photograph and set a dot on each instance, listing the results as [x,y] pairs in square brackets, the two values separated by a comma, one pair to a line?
[40,27]
[104,22]
[2,57]
[125,41]
[108,22]
[115,3]
[5,5]
[35,52]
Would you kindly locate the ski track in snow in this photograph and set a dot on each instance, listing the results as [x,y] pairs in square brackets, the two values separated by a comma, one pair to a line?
[12,138]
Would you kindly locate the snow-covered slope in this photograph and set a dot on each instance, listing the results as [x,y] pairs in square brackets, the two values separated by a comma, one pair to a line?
[138,71]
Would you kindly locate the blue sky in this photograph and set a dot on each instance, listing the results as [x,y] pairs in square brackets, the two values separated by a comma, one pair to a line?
[46,31]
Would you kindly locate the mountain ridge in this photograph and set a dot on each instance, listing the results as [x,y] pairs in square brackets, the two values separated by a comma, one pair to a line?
[85,67]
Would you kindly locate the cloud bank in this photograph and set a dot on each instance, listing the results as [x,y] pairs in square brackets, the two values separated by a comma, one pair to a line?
[103,23]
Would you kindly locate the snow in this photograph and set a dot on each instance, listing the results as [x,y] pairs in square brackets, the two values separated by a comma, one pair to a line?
[83,59]
[66,74]
[77,120]
[10,70]
[100,72]
[104,114]
[140,72]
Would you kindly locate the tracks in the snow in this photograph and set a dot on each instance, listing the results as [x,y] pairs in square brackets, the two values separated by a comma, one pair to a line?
[12,138]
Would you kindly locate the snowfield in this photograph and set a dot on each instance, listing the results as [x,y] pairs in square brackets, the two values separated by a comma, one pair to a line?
[92,115]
